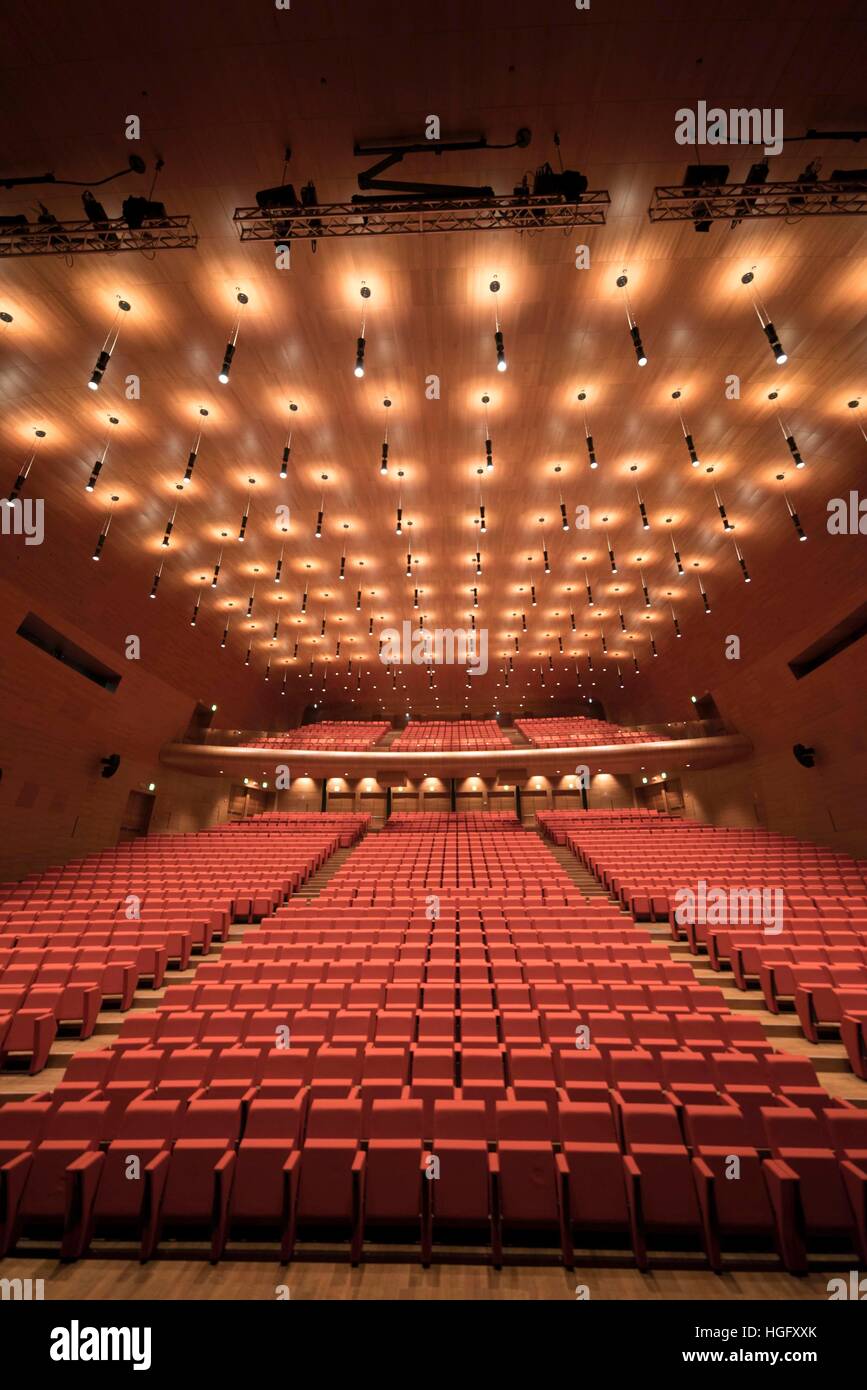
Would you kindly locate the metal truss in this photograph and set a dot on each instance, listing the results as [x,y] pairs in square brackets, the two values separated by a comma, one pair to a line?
[739,202]
[407,216]
[109,238]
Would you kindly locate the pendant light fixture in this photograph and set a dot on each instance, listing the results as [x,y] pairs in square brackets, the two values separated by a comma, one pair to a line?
[225,369]
[287,447]
[770,332]
[194,452]
[640,354]
[688,439]
[489,448]
[108,346]
[24,471]
[383,465]
[361,342]
[498,336]
[97,467]
[97,553]
[588,437]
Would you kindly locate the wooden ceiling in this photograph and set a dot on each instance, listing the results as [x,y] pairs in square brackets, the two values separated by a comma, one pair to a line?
[219,96]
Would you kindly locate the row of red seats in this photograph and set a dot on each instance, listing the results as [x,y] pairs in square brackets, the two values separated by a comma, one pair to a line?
[639,1175]
[78,936]
[578,731]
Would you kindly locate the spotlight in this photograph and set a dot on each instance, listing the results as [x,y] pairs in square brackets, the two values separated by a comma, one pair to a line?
[359,357]
[136,211]
[564,517]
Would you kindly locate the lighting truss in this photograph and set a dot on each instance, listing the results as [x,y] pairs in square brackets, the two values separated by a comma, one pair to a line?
[405,216]
[739,202]
[109,238]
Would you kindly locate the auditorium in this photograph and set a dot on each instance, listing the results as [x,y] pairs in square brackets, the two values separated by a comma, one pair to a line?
[433,644]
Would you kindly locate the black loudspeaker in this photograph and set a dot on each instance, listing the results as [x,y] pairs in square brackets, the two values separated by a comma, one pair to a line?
[110,764]
[805,756]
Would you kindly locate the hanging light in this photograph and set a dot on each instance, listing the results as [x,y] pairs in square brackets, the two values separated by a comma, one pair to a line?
[320,516]
[475,594]
[358,602]
[611,558]
[217,566]
[97,467]
[342,575]
[743,564]
[727,525]
[640,354]
[676,555]
[26,467]
[643,510]
[498,336]
[279,570]
[563,517]
[703,593]
[796,521]
[383,466]
[589,590]
[169,526]
[225,369]
[108,347]
[588,437]
[245,518]
[653,647]
[194,619]
[545,561]
[304,598]
[287,448]
[644,590]
[361,342]
[532,595]
[156,583]
[194,453]
[690,445]
[489,448]
[604,643]
[764,318]
[792,443]
[250,604]
[677,631]
[97,553]
[572,621]
[622,623]
[249,654]
[226,631]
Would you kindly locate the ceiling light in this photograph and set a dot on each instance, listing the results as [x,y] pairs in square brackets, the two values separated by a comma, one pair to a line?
[225,369]
[287,448]
[764,318]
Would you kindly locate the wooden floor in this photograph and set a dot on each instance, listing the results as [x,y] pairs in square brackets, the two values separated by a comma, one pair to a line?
[236,1279]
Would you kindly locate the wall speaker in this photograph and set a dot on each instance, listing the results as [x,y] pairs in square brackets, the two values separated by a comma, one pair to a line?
[805,756]
[110,764]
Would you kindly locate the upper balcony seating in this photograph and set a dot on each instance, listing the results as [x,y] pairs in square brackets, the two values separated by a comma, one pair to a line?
[577,732]
[329,735]
[450,736]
